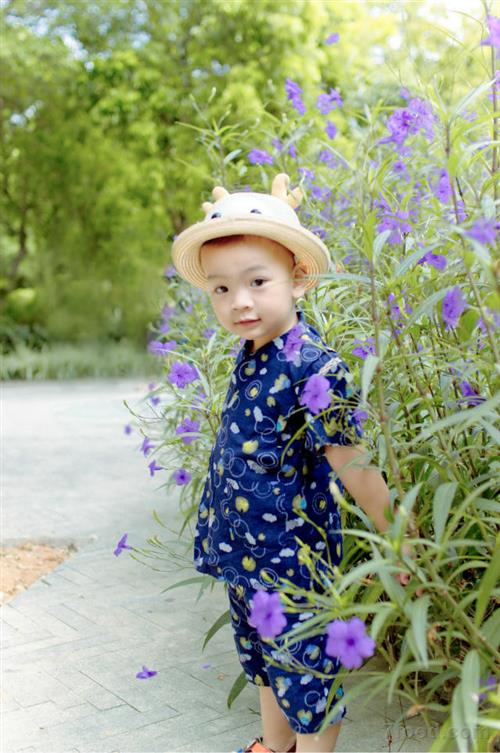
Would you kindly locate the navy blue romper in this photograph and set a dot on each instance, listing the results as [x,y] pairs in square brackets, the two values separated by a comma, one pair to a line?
[267,465]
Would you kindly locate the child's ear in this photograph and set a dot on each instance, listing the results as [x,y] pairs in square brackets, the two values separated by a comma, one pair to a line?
[299,282]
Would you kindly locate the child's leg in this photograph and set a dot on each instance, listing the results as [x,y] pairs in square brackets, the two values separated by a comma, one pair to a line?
[317,743]
[278,735]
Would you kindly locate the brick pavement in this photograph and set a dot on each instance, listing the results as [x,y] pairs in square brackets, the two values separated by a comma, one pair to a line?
[74,641]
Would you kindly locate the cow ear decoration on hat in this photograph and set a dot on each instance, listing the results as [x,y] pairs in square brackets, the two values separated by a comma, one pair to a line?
[218,193]
[279,190]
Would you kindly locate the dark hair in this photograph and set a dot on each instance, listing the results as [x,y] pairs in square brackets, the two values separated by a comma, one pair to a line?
[237,238]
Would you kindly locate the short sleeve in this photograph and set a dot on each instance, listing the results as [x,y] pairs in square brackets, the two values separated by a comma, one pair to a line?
[330,404]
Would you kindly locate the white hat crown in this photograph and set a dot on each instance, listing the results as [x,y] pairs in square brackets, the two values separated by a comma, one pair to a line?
[238,205]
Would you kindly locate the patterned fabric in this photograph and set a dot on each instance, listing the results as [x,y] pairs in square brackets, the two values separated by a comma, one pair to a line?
[301,695]
[268,471]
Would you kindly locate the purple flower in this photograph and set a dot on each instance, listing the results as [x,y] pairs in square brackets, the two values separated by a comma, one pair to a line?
[453,306]
[396,222]
[331,129]
[293,343]
[493,38]
[327,158]
[328,102]
[267,614]
[277,144]
[333,38]
[364,348]
[442,188]
[259,157]
[405,121]
[404,93]
[400,168]
[348,642]
[495,323]
[158,348]
[469,392]
[182,374]
[153,467]
[483,230]
[146,447]
[293,93]
[360,415]
[488,685]
[146,673]
[167,312]
[164,328]
[127,429]
[181,476]
[435,260]
[319,231]
[315,394]
[170,271]
[207,334]
[308,174]
[292,151]
[122,545]
[188,426]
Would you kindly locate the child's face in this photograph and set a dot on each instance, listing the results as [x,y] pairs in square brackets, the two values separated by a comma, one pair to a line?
[267,294]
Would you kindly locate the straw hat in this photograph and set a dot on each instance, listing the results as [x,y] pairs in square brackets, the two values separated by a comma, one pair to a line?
[268,215]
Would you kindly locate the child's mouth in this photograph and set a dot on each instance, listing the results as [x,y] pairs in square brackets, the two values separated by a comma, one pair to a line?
[249,321]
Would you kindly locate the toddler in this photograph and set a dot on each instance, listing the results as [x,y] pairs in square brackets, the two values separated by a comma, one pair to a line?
[288,419]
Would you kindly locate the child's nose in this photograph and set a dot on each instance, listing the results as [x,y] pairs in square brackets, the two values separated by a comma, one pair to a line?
[242,298]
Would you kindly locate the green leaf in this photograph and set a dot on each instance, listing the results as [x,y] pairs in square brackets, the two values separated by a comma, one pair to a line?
[491,629]
[490,578]
[222,620]
[470,97]
[236,689]
[443,498]
[418,616]
[189,581]
[458,719]
[469,689]
[379,243]
[229,157]
[367,373]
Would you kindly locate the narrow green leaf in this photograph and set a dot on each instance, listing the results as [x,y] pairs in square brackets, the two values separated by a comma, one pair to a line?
[469,689]
[471,96]
[443,498]
[367,373]
[236,689]
[490,578]
[458,719]
[222,620]
[379,243]
[491,629]
[419,610]
[189,581]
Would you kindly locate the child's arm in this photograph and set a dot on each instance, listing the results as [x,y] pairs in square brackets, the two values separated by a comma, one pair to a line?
[364,484]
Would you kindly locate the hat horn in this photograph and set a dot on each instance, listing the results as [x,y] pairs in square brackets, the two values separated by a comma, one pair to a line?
[280,190]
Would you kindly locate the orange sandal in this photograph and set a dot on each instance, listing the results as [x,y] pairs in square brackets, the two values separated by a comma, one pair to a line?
[257,746]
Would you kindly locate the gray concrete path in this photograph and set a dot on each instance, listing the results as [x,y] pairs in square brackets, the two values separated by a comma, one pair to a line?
[75,640]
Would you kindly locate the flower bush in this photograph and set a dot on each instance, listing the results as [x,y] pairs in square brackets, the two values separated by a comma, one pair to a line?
[407,201]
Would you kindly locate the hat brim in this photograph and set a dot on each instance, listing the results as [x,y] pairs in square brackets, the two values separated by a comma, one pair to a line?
[306,246]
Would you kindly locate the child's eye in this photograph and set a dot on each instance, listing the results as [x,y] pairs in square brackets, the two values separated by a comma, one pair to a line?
[257,279]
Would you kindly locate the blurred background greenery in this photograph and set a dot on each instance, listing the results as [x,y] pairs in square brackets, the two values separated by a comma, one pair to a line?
[103,159]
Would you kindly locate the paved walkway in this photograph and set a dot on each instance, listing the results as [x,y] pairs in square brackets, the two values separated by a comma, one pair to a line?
[74,641]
